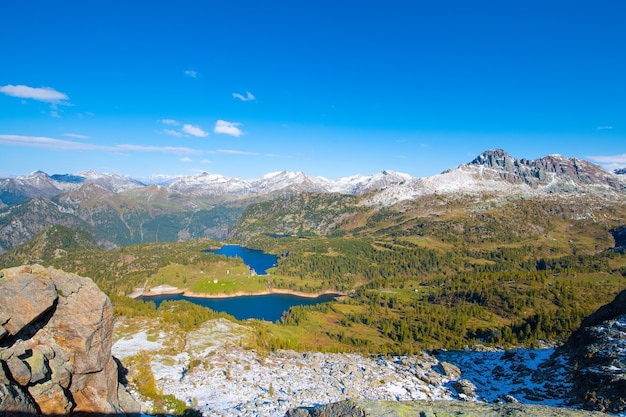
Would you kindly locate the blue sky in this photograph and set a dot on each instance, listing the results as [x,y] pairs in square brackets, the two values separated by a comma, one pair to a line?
[243,88]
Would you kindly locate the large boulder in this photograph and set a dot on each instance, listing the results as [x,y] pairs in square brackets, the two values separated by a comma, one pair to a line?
[55,344]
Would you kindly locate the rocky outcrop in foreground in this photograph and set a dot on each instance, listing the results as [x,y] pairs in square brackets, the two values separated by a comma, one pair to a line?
[55,346]
[597,356]
[433,409]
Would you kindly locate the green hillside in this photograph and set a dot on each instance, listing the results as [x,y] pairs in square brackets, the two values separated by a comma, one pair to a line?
[430,273]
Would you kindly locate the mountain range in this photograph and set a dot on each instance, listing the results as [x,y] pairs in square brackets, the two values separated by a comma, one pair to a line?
[492,170]
[118,210]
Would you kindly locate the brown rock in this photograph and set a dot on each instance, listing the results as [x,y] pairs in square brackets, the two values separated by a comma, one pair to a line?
[61,372]
[51,398]
[23,299]
[3,377]
[38,365]
[20,372]
[64,360]
[451,371]
[15,402]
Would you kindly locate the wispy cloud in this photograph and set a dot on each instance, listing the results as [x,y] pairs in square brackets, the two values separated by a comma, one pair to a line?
[159,149]
[604,127]
[609,159]
[233,152]
[75,136]
[227,128]
[186,130]
[195,131]
[43,142]
[174,133]
[248,97]
[45,94]
[48,143]
[186,159]
[191,73]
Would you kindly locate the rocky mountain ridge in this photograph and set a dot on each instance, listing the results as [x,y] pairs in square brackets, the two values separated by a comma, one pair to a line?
[121,211]
[493,168]
[55,346]
[544,171]
[39,184]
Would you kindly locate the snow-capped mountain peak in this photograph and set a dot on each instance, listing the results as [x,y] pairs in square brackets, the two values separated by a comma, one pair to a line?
[211,185]
[111,182]
[492,171]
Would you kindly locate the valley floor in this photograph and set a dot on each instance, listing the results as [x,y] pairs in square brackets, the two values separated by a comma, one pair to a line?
[212,372]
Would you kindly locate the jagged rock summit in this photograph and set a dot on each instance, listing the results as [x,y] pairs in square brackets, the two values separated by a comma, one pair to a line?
[117,210]
[55,345]
[493,171]
[546,171]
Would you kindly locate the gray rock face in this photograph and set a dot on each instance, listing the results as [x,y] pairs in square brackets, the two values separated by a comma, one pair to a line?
[541,172]
[597,355]
[55,351]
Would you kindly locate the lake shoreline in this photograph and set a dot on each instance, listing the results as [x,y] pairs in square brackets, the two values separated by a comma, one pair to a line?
[191,294]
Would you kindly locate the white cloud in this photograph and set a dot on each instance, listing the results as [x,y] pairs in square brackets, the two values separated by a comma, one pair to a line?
[233,152]
[47,143]
[609,159]
[45,94]
[174,133]
[195,131]
[75,136]
[160,149]
[170,122]
[227,128]
[191,73]
[248,97]
[52,144]
[206,161]
[186,159]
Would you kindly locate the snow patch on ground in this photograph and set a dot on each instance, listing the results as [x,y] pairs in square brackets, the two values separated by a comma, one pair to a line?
[500,375]
[133,344]
[213,373]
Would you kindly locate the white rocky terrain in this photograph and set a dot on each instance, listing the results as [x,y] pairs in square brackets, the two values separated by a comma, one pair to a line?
[211,371]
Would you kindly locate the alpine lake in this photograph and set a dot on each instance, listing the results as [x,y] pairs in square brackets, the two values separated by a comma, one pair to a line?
[268,307]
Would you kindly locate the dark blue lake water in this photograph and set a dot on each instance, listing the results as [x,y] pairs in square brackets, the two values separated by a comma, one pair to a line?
[255,259]
[268,307]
